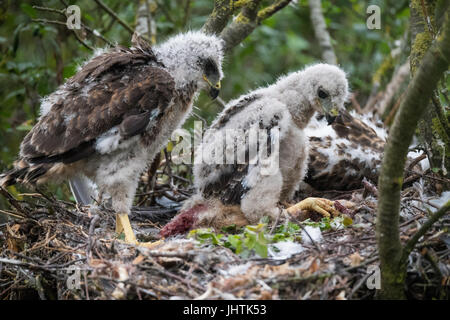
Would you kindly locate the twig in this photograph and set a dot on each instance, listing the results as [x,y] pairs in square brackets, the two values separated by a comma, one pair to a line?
[12,214]
[416,161]
[63,13]
[115,16]
[53,10]
[91,232]
[60,23]
[409,246]
[40,20]
[13,201]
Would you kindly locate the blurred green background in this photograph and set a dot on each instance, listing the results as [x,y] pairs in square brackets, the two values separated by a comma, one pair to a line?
[35,58]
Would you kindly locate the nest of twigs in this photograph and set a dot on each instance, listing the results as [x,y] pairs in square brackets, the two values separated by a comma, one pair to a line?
[53,249]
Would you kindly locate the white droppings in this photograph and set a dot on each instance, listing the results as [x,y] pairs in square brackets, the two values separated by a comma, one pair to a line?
[314,233]
[284,249]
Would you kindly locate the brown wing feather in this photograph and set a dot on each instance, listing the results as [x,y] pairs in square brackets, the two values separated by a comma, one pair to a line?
[117,88]
[357,132]
[339,176]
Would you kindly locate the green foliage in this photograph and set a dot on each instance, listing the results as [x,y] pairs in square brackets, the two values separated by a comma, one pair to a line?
[251,239]
[256,239]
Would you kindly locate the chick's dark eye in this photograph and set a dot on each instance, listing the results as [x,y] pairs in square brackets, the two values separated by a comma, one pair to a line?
[322,94]
[210,67]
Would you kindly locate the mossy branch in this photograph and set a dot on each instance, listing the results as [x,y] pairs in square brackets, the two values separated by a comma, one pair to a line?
[248,18]
[218,19]
[272,9]
[431,69]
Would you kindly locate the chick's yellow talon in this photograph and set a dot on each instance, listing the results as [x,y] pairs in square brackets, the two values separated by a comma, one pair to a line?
[123,226]
[319,205]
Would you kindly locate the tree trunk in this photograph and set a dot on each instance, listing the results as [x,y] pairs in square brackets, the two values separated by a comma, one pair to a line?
[429,71]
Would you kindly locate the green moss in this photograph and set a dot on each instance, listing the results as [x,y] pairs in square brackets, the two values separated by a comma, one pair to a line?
[238,3]
[242,19]
[440,133]
[430,7]
[421,44]
[423,39]
[417,6]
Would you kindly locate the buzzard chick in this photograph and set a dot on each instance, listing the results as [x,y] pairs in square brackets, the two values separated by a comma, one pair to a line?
[244,191]
[109,120]
[348,151]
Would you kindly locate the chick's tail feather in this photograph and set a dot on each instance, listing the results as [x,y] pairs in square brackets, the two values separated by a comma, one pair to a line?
[83,190]
[23,174]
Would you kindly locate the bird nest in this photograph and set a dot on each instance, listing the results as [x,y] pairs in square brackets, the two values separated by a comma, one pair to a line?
[53,249]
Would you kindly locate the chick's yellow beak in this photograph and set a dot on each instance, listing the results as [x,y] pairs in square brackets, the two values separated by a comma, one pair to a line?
[213,89]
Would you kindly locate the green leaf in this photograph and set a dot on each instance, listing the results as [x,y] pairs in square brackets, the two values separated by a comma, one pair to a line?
[261,249]
[256,228]
[236,242]
[250,240]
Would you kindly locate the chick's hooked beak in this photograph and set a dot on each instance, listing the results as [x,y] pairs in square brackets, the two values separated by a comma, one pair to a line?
[330,118]
[331,112]
[213,89]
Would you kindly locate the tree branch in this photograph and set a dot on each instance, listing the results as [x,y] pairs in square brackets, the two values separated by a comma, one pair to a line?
[62,12]
[115,16]
[409,246]
[60,23]
[433,66]
[218,19]
[247,20]
[272,9]
[321,32]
